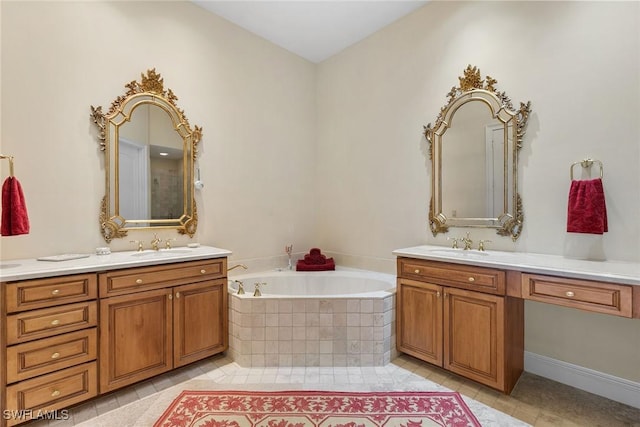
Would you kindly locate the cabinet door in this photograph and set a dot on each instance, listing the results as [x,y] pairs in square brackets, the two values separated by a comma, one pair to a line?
[200,324]
[474,336]
[135,337]
[419,320]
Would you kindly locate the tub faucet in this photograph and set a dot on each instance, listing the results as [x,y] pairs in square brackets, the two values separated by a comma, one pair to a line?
[236,266]
[289,249]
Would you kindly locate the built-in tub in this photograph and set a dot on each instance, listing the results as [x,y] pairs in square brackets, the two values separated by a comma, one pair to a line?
[344,317]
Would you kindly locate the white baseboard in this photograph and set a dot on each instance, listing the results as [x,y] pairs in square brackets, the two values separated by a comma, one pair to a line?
[605,385]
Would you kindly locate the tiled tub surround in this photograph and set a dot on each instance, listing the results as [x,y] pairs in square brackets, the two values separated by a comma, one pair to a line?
[338,318]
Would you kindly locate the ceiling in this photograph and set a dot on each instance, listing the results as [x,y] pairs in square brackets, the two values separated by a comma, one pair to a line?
[314,30]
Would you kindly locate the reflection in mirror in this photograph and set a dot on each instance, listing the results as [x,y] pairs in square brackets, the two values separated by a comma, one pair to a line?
[474,149]
[149,160]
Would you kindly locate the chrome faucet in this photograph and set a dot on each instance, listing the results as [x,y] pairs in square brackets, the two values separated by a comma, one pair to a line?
[236,266]
[155,242]
[467,242]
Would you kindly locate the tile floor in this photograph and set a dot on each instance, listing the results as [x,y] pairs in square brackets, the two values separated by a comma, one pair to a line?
[535,401]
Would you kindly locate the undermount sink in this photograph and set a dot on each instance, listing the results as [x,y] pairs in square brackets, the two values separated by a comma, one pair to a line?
[162,253]
[458,252]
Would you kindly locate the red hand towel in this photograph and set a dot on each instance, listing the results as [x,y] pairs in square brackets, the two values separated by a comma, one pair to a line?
[587,212]
[15,220]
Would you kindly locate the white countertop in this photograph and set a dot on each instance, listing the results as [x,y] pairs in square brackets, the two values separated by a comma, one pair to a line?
[609,271]
[21,269]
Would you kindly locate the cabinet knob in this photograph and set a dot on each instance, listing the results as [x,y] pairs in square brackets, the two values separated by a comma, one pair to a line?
[55,322]
[55,292]
[55,355]
[170,296]
[177,294]
[139,281]
[203,271]
[417,271]
[472,279]
[438,294]
[55,393]
[569,294]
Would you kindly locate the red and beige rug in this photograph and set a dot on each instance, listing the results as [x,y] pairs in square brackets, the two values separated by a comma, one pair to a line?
[302,408]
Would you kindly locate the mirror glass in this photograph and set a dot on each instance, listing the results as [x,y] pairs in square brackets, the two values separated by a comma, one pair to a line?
[474,150]
[149,161]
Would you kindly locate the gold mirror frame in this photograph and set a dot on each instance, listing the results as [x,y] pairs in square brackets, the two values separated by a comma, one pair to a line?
[473,89]
[148,92]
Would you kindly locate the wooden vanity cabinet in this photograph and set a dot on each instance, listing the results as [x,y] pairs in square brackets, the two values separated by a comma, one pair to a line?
[459,317]
[154,319]
[48,345]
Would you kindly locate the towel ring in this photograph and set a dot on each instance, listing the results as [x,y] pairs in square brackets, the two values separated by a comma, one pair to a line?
[586,163]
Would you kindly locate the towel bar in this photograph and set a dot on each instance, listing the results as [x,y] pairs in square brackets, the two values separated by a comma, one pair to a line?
[586,163]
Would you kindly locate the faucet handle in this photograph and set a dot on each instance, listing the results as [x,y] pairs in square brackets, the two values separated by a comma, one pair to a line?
[240,287]
[256,292]
[168,243]
[481,244]
[139,243]
[454,245]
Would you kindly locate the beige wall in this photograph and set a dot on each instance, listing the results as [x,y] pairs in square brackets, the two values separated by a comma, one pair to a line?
[577,62]
[254,101]
[276,128]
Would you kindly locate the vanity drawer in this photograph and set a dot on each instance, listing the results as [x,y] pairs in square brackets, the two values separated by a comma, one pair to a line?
[52,321]
[461,276]
[600,297]
[120,282]
[50,354]
[40,293]
[53,391]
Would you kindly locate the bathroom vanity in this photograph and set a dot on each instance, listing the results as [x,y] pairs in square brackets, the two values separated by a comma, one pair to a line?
[464,310]
[75,329]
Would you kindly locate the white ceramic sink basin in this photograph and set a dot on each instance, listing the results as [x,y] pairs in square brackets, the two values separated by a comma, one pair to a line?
[162,253]
[458,252]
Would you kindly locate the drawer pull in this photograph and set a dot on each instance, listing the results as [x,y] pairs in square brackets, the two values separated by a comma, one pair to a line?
[417,271]
[55,393]
[203,271]
[55,322]
[569,294]
[139,281]
[472,279]
[55,355]
[55,292]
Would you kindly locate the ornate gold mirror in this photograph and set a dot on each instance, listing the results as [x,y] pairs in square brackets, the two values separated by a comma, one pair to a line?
[150,150]
[474,146]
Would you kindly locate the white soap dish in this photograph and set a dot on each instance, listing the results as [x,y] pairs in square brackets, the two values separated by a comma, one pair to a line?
[193,245]
[63,257]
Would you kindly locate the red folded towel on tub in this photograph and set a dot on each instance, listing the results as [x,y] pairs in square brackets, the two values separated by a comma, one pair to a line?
[15,220]
[315,261]
[587,212]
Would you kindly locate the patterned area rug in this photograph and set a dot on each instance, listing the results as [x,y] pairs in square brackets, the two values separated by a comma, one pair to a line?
[302,408]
